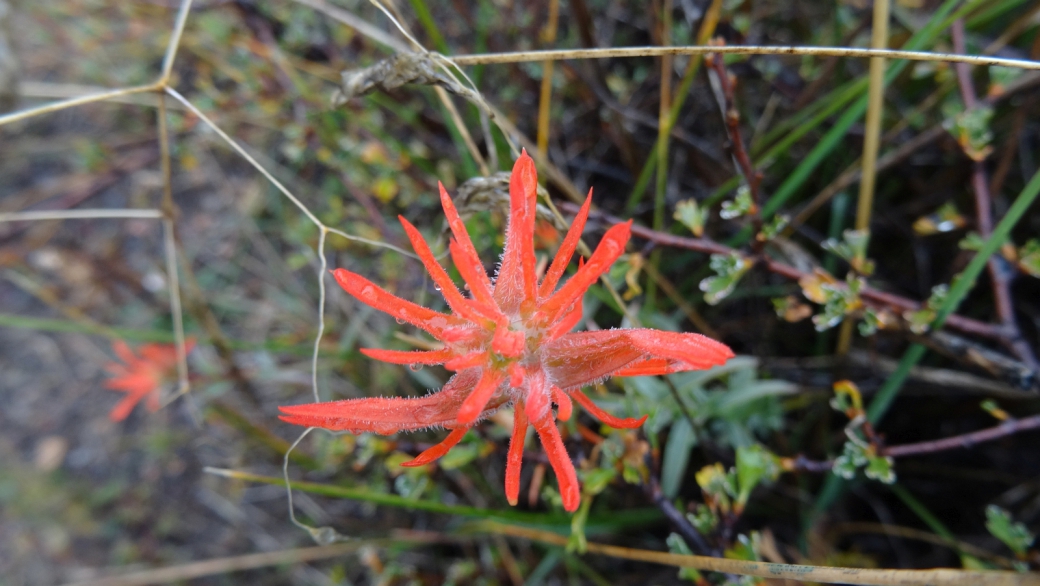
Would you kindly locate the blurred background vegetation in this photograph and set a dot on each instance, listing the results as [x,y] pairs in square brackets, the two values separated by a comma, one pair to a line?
[736,461]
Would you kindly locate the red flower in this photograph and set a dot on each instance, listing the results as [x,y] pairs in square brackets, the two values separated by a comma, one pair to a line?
[509,343]
[140,377]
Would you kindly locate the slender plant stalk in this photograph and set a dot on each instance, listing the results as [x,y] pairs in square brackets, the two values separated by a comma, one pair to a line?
[801,573]
[704,34]
[545,96]
[871,142]
[664,132]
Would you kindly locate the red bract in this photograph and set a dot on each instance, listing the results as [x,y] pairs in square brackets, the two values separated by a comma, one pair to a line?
[140,376]
[509,343]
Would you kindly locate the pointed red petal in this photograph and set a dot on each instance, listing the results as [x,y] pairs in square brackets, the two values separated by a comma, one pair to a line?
[369,293]
[474,276]
[477,401]
[539,395]
[608,251]
[451,293]
[515,456]
[124,352]
[468,254]
[564,407]
[561,462]
[409,356]
[517,375]
[567,322]
[438,450]
[688,351]
[387,415]
[563,255]
[465,361]
[581,358]
[595,411]
[139,383]
[516,281]
[123,408]
[650,367]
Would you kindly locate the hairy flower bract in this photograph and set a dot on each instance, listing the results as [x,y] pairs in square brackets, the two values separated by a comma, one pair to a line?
[510,343]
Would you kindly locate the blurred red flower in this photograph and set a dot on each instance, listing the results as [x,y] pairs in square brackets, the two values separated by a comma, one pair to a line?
[140,376]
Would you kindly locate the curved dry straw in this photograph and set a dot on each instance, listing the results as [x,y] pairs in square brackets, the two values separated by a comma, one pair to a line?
[629,52]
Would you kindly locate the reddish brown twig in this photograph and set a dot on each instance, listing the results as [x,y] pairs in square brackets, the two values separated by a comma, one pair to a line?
[731,116]
[962,441]
[1000,275]
[967,440]
[872,297]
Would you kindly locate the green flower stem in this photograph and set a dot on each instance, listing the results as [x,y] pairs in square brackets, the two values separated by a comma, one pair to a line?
[561,522]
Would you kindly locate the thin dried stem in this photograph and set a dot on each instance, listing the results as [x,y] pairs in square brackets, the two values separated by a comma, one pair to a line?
[445,64]
[875,107]
[84,214]
[821,574]
[253,561]
[871,143]
[78,101]
[322,270]
[245,155]
[731,118]
[175,43]
[170,248]
[545,95]
[357,23]
[456,119]
[625,52]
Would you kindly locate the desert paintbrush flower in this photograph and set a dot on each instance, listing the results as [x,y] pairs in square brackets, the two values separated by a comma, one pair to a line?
[140,375]
[510,343]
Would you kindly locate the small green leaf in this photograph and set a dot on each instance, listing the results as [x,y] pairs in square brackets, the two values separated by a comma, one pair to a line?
[1029,258]
[920,320]
[971,241]
[880,468]
[704,520]
[839,301]
[1014,535]
[681,439]
[729,268]
[739,205]
[746,548]
[869,326]
[852,248]
[690,214]
[971,128]
[1000,78]
[853,458]
[596,480]
[772,228]
[754,464]
[945,219]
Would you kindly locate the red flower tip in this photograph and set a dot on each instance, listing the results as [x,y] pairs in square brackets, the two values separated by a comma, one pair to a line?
[511,342]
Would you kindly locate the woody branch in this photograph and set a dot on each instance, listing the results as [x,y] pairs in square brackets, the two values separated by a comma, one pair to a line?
[1000,275]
